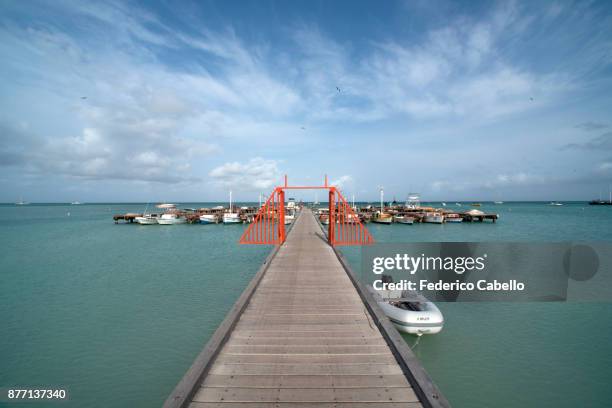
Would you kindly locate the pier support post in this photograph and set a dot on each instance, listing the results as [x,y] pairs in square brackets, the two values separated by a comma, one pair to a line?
[332,216]
[281,215]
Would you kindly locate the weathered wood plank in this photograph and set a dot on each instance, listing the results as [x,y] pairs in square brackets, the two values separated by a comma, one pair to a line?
[306,369]
[306,381]
[321,395]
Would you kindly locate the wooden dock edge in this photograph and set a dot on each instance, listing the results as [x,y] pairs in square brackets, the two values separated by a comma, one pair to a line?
[424,387]
[184,391]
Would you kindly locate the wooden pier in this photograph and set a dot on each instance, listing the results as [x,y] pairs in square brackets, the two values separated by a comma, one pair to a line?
[305,333]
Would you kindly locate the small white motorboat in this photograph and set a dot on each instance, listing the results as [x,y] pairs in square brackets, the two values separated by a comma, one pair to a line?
[433,218]
[171,218]
[403,219]
[147,219]
[555,203]
[231,218]
[289,218]
[208,219]
[409,311]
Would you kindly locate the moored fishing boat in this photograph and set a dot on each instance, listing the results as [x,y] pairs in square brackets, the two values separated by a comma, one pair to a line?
[289,218]
[231,217]
[403,219]
[171,218]
[209,219]
[433,218]
[147,219]
[383,219]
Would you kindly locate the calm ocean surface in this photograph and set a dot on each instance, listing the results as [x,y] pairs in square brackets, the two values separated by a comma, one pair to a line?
[117,313]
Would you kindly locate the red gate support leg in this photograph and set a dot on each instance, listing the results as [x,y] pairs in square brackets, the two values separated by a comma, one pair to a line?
[332,216]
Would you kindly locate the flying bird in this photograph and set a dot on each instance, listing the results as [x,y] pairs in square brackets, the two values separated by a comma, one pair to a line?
[531,98]
[83,97]
[338,89]
[303,128]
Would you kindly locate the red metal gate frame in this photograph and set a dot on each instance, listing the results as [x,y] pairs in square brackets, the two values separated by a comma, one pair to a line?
[268,227]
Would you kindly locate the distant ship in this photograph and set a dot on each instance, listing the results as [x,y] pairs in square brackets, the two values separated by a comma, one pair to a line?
[21,202]
[602,202]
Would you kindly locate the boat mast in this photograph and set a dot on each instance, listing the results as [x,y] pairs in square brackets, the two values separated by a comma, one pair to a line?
[230,207]
[381,200]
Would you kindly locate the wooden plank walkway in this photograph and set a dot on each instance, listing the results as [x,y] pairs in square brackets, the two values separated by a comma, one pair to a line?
[303,337]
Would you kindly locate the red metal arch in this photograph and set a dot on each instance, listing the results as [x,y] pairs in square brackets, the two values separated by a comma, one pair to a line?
[268,227]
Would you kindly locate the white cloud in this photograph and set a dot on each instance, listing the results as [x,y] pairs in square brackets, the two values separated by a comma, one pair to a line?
[257,174]
[342,181]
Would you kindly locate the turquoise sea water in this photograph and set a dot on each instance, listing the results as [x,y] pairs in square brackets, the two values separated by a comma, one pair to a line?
[117,313]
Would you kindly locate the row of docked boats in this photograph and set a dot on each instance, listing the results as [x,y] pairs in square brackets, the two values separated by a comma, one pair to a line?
[172,216]
[427,217]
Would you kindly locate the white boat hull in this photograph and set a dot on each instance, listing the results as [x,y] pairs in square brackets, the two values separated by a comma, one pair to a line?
[231,219]
[208,219]
[434,219]
[146,220]
[382,220]
[428,320]
[171,220]
[419,323]
[404,220]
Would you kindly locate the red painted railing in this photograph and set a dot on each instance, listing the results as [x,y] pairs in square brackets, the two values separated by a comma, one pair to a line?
[268,226]
[345,227]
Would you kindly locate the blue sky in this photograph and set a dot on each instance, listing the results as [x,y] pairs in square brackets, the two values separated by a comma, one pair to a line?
[183,101]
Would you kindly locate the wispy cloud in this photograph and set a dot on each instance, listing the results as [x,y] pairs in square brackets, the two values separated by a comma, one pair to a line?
[602,142]
[591,126]
[256,174]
